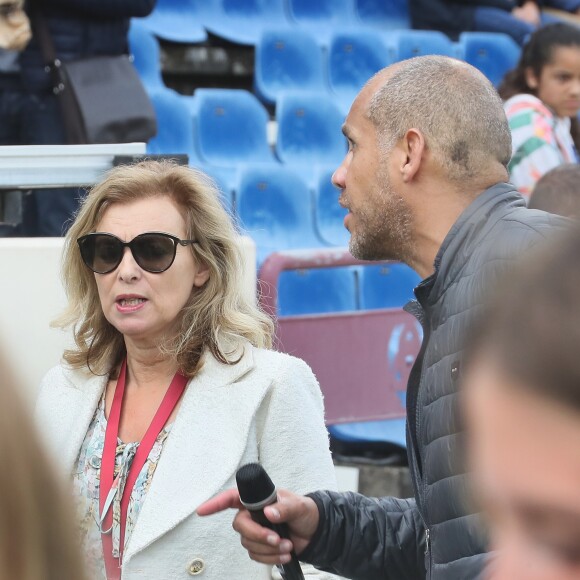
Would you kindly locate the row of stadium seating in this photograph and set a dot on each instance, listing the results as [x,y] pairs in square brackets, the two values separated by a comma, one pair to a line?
[293,60]
[223,130]
[242,21]
[345,289]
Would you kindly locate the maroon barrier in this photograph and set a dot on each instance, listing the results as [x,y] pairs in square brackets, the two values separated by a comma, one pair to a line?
[362,359]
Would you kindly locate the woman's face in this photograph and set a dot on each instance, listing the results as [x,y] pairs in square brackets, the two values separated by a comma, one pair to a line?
[523,450]
[143,306]
[558,85]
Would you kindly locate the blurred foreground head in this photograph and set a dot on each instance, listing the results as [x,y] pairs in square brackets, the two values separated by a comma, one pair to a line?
[558,191]
[522,400]
[37,533]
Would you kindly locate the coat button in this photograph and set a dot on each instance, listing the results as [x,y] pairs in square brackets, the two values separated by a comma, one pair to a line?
[196,567]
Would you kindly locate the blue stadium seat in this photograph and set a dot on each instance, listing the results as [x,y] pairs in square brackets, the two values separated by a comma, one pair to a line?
[275,208]
[174,124]
[353,58]
[179,20]
[386,14]
[287,59]
[225,180]
[493,54]
[410,43]
[145,50]
[386,285]
[309,130]
[230,128]
[391,431]
[322,17]
[317,291]
[243,21]
[329,215]
[175,135]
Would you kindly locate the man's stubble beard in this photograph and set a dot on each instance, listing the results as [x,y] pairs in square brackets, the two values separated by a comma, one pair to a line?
[383,226]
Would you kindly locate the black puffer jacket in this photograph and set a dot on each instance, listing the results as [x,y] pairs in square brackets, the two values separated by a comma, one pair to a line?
[80,28]
[371,539]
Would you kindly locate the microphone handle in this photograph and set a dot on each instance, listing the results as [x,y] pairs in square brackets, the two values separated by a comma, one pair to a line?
[291,570]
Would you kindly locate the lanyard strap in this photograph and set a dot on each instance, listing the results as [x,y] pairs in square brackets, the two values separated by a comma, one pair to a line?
[166,407]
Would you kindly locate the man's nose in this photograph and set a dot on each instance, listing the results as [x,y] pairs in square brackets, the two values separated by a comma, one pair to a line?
[338,177]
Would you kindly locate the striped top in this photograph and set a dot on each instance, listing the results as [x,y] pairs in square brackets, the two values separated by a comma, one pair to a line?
[540,141]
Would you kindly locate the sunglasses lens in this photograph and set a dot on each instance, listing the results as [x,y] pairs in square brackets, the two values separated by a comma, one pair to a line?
[153,252]
[101,253]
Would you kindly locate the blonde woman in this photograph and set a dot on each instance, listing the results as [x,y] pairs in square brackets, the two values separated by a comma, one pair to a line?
[171,386]
[37,540]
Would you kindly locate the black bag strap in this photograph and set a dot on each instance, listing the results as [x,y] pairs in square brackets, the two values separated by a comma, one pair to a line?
[73,125]
[42,34]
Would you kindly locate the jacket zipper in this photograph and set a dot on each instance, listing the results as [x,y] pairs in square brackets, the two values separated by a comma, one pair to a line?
[417,309]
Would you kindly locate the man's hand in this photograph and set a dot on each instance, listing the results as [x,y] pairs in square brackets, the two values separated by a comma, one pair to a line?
[528,12]
[298,512]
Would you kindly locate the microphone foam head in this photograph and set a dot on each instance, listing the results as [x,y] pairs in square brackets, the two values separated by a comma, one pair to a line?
[254,484]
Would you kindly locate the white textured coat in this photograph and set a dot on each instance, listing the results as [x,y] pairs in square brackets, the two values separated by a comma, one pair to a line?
[266,408]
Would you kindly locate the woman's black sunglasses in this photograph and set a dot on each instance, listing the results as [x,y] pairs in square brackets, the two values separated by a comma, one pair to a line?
[153,251]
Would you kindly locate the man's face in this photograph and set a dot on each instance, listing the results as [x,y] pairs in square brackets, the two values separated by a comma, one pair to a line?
[379,219]
[525,457]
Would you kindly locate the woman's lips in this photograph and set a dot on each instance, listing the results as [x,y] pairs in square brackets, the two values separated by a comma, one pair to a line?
[130,304]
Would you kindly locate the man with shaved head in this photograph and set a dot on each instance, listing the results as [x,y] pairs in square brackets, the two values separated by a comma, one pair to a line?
[424,181]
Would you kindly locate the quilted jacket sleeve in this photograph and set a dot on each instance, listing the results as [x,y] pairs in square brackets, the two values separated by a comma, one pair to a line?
[367,538]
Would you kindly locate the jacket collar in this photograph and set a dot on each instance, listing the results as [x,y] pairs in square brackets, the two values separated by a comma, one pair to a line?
[213,420]
[458,246]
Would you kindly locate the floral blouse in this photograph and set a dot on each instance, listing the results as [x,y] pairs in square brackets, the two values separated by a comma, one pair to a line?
[540,141]
[86,479]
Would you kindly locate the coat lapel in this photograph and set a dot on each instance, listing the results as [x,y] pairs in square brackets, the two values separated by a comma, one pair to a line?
[71,413]
[204,448]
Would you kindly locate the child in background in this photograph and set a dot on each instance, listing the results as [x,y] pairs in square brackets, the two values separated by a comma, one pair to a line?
[542,99]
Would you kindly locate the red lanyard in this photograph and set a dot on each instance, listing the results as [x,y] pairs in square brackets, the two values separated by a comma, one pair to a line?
[167,406]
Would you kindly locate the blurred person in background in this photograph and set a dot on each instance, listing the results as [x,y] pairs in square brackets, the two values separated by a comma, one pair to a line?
[558,191]
[542,100]
[38,540]
[522,403]
[14,35]
[79,29]
[171,386]
[516,18]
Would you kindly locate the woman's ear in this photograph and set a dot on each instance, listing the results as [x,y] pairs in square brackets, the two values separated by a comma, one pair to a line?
[531,79]
[202,274]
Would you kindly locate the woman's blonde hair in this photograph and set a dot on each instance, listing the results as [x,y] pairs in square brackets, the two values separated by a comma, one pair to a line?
[38,537]
[217,316]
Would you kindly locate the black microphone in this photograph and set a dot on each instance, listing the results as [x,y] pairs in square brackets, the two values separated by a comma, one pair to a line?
[257,491]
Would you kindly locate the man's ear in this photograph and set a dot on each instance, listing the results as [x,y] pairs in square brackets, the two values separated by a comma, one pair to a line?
[413,145]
